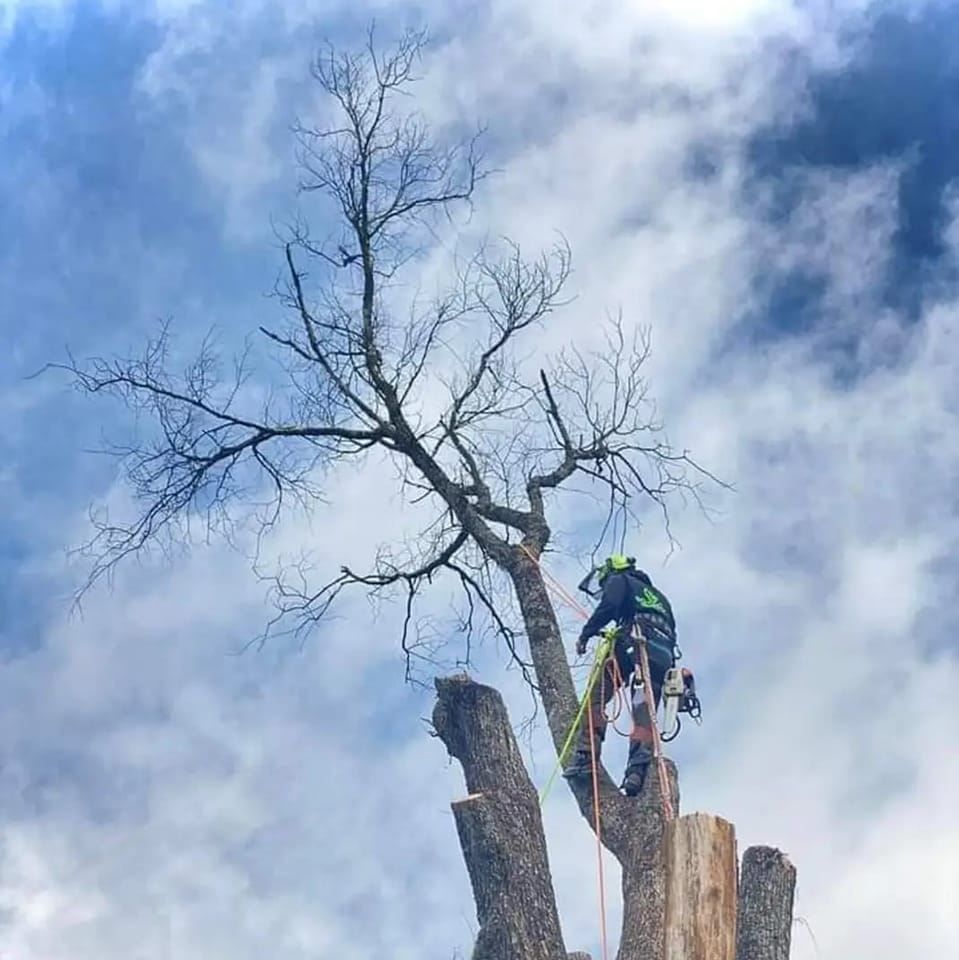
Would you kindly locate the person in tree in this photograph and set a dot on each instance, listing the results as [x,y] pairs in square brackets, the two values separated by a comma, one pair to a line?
[628,597]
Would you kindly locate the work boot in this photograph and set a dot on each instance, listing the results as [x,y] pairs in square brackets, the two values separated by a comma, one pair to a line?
[580,766]
[582,763]
[633,781]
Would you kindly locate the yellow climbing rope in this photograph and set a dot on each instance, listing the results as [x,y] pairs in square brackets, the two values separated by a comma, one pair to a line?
[604,653]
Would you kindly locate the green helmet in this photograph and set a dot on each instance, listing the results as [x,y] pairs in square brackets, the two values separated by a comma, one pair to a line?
[616,563]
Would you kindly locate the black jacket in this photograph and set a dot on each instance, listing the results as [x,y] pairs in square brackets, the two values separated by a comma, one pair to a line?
[627,597]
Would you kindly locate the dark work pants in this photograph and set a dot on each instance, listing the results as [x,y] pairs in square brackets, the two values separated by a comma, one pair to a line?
[617,671]
[641,735]
[606,687]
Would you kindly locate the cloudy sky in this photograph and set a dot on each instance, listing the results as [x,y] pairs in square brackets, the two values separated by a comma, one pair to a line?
[769,186]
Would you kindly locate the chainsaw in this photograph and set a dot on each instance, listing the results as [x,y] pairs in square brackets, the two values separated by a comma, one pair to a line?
[679,696]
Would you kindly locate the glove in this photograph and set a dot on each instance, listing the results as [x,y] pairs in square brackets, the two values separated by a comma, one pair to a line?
[581,645]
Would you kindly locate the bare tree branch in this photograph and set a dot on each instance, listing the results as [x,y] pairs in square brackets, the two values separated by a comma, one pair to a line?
[488,456]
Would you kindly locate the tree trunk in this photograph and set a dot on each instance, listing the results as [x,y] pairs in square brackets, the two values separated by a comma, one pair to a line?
[644,871]
[631,827]
[700,916]
[499,826]
[679,884]
[765,905]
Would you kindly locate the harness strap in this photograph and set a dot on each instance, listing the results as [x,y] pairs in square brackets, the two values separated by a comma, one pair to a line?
[643,657]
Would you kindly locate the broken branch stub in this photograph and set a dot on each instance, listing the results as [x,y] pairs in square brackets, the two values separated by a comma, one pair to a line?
[499,825]
[766,896]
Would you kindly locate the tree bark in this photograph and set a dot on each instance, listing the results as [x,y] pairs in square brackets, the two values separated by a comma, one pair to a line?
[766,894]
[701,862]
[500,827]
[632,827]
[644,869]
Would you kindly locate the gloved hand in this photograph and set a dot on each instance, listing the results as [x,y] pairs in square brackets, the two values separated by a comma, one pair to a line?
[581,645]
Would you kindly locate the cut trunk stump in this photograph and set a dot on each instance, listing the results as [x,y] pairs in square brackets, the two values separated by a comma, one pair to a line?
[701,900]
[499,825]
[765,905]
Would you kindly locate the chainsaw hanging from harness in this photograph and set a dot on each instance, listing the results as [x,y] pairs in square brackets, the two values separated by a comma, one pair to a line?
[678,696]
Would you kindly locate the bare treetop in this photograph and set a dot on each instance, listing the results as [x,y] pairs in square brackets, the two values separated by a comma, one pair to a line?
[381,166]
[478,432]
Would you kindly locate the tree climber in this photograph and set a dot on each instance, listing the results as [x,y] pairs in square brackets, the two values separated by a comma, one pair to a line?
[628,597]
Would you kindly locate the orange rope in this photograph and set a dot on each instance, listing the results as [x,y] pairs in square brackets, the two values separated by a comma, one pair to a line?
[564,594]
[664,790]
[558,588]
[598,829]
[622,697]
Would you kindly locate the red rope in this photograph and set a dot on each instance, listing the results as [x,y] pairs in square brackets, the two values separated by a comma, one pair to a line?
[622,698]
[664,790]
[597,827]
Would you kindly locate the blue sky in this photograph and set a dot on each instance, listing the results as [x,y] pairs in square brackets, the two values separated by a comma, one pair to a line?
[892,102]
[769,186]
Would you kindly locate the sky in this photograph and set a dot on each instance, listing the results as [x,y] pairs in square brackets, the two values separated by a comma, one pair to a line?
[769,186]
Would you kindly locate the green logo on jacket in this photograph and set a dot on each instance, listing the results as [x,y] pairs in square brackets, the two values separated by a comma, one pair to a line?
[648,600]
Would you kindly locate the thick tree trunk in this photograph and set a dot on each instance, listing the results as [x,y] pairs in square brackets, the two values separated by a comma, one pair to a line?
[701,867]
[499,826]
[766,891]
[644,870]
[546,648]
[632,828]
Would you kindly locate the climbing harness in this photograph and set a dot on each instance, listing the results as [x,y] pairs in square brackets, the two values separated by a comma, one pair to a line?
[642,659]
